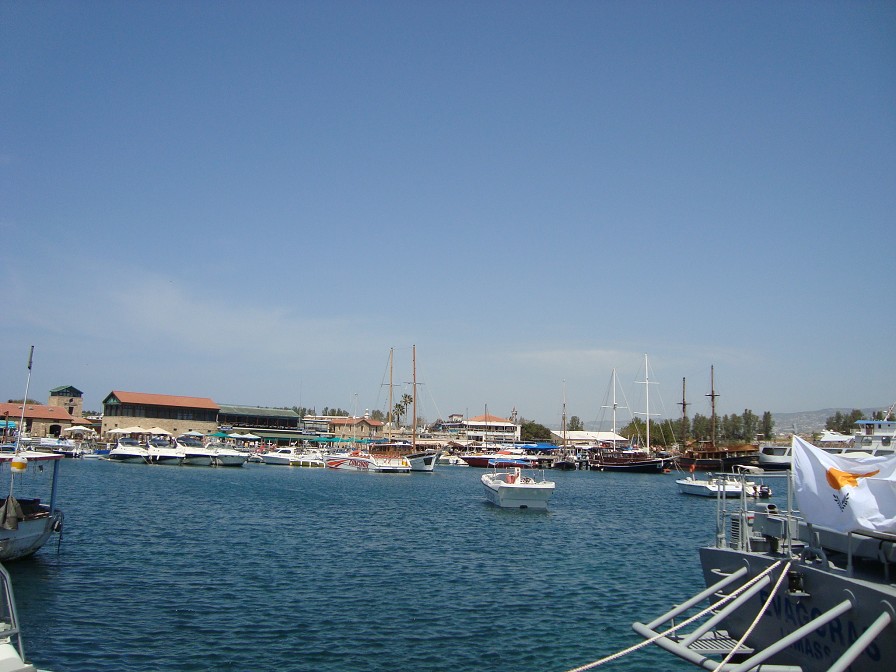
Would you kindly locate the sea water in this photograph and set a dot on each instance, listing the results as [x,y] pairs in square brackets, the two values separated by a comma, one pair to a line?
[280,568]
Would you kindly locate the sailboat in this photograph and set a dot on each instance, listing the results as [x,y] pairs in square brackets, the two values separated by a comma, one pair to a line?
[25,522]
[424,460]
[712,457]
[566,460]
[644,460]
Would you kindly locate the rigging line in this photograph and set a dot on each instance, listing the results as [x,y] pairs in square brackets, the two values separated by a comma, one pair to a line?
[755,620]
[640,645]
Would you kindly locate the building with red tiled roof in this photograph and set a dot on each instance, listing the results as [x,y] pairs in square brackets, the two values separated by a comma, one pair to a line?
[176,414]
[355,428]
[41,420]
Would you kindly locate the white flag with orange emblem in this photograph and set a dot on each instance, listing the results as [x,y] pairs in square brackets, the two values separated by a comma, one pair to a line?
[845,493]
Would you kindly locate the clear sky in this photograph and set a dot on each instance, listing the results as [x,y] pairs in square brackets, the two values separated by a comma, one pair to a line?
[255,201]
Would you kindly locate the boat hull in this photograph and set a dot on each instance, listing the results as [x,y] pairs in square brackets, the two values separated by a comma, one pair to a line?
[128,457]
[30,535]
[518,495]
[368,463]
[651,465]
[425,461]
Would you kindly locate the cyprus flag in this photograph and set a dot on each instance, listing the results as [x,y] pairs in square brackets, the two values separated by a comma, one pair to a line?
[845,493]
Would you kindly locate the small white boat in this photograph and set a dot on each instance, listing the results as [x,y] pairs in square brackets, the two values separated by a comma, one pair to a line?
[281,456]
[26,522]
[128,449]
[512,490]
[195,452]
[724,485]
[162,451]
[308,458]
[227,456]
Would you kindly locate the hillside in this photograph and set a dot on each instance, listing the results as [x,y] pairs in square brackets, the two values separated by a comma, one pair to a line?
[806,422]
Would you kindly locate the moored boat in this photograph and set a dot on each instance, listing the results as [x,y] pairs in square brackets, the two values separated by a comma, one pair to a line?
[161,450]
[513,490]
[362,460]
[128,449]
[195,453]
[225,455]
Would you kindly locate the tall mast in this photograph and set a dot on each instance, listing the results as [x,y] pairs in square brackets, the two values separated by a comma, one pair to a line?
[24,401]
[712,398]
[647,400]
[389,414]
[684,412]
[414,384]
[563,418]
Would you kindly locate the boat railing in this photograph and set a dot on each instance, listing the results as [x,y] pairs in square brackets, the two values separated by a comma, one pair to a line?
[9,619]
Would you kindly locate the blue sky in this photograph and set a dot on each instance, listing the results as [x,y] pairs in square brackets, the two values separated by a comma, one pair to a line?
[254,202]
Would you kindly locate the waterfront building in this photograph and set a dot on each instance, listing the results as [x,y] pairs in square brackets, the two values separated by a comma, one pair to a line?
[68,397]
[174,414]
[41,421]
[492,429]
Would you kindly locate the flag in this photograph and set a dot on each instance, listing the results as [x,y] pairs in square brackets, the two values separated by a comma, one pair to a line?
[845,493]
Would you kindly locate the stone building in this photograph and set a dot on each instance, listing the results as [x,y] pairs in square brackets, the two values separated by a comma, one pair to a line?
[174,414]
[41,421]
[68,397]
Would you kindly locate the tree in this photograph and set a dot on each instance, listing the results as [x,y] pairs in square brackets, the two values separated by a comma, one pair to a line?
[843,423]
[401,407]
[575,424]
[767,426]
[532,431]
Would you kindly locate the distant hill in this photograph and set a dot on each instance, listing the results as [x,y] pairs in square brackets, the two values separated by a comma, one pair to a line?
[806,422]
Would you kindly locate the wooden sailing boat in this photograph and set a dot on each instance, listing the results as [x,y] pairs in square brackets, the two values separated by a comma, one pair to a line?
[567,459]
[644,460]
[708,455]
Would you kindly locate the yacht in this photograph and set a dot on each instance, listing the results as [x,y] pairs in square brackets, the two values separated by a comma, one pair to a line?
[128,449]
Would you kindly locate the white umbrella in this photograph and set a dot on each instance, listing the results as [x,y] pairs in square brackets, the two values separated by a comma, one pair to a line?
[136,429]
[235,435]
[158,431]
[80,430]
[251,437]
[193,432]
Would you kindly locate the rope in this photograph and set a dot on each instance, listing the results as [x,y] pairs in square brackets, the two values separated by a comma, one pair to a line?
[651,640]
[755,622]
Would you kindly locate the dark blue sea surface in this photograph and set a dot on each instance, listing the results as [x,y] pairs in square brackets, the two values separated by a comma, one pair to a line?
[281,568]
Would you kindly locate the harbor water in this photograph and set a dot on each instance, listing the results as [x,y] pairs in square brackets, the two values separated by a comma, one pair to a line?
[281,568]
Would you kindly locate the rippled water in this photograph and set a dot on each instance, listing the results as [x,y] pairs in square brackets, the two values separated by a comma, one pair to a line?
[278,568]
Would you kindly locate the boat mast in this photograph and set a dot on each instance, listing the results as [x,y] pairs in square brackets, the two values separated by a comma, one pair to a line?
[24,401]
[389,414]
[712,397]
[684,413]
[414,384]
[563,418]
[647,400]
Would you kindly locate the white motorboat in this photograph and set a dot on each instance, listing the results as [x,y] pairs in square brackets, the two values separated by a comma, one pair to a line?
[161,451]
[726,485]
[227,456]
[128,449]
[310,457]
[195,453]
[512,490]
[281,456]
